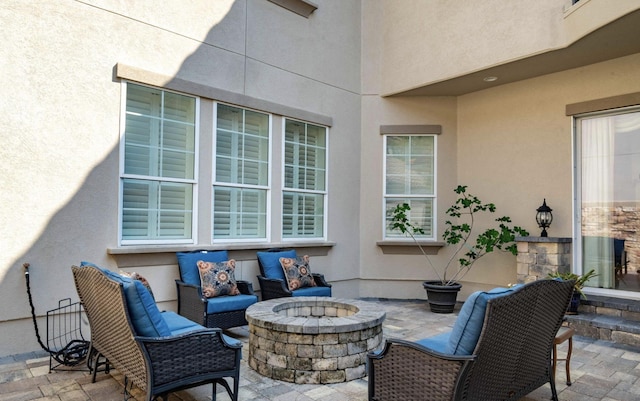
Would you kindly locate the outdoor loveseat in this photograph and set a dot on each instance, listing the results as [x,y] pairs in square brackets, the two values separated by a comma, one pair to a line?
[224,311]
[159,352]
[273,283]
[499,349]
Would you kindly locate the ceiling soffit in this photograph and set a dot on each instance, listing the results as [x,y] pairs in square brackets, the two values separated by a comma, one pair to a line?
[617,39]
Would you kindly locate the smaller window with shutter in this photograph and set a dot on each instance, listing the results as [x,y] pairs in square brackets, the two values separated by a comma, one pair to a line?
[410,177]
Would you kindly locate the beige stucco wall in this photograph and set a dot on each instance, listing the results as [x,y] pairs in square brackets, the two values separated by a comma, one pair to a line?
[521,136]
[439,40]
[62,102]
[513,147]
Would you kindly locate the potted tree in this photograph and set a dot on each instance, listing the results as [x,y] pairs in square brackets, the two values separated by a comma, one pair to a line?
[442,293]
[577,287]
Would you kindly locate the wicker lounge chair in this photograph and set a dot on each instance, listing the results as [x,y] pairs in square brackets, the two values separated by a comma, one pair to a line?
[223,312]
[499,349]
[273,283]
[188,355]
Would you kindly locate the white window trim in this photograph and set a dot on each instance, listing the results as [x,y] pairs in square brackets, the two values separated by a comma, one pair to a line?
[122,175]
[434,237]
[268,189]
[127,73]
[324,193]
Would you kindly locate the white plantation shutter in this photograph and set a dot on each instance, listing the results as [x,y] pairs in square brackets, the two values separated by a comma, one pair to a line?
[254,166]
[303,201]
[239,213]
[410,178]
[178,154]
[410,165]
[175,214]
[241,174]
[421,214]
[135,209]
[303,215]
[159,165]
[222,213]
[252,216]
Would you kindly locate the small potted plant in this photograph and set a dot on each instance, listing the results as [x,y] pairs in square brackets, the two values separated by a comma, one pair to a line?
[458,233]
[577,288]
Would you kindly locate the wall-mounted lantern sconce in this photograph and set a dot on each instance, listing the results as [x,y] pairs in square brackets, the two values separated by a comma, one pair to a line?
[544,217]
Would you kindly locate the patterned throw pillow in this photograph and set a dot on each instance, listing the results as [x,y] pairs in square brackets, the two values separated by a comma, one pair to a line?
[136,276]
[297,272]
[218,278]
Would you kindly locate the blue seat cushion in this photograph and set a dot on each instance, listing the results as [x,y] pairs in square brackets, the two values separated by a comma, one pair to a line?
[468,326]
[270,262]
[229,303]
[179,324]
[187,262]
[232,341]
[143,311]
[437,343]
[312,292]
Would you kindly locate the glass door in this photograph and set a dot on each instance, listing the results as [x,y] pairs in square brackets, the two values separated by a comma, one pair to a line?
[608,199]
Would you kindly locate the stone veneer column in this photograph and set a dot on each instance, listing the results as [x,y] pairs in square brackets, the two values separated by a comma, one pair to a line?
[539,256]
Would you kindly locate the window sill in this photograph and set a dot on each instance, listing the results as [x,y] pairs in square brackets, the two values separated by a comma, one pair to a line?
[146,249]
[300,7]
[409,248]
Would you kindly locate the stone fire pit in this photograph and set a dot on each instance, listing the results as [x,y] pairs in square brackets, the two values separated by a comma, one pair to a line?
[313,339]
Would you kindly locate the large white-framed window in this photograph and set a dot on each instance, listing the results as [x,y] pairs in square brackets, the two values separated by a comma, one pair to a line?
[410,177]
[158,166]
[241,174]
[166,156]
[304,194]
[607,193]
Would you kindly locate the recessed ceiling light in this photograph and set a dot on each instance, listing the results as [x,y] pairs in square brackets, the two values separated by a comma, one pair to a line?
[490,79]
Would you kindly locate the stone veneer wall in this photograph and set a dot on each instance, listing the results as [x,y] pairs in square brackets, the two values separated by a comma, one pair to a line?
[620,222]
[539,256]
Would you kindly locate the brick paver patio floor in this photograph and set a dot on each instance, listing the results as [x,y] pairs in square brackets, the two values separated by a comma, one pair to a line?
[600,371]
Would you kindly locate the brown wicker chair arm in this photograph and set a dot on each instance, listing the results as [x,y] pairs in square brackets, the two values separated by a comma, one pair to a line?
[245,287]
[191,303]
[189,290]
[273,288]
[189,357]
[403,370]
[320,280]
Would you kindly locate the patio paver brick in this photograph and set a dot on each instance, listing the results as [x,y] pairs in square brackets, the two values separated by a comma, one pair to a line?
[601,371]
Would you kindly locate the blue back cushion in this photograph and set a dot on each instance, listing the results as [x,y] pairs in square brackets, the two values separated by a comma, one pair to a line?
[187,261]
[270,262]
[468,326]
[312,292]
[143,311]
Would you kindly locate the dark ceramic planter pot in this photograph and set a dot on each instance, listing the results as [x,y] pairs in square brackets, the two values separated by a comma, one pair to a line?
[574,304]
[442,298]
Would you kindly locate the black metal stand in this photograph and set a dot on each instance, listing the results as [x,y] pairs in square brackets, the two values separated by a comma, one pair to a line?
[65,343]
[64,335]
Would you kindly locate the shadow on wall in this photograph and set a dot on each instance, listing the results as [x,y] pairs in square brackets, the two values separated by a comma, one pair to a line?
[87,225]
